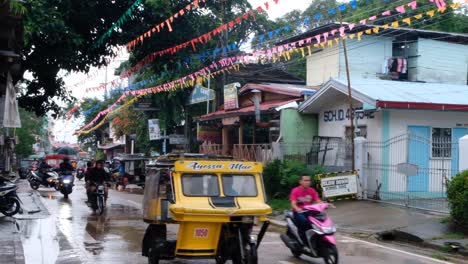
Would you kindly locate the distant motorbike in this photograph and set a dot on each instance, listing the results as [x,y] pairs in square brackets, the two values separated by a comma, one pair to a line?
[80,173]
[10,204]
[50,179]
[65,183]
[321,242]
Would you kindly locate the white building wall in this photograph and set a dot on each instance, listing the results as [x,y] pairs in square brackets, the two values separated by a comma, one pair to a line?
[399,122]
[366,57]
[442,62]
[322,65]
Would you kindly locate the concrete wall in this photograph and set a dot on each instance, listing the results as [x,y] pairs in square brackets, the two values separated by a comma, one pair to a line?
[296,127]
[366,57]
[323,65]
[442,62]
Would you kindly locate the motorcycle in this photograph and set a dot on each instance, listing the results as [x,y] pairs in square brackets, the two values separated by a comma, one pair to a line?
[65,183]
[80,173]
[98,203]
[321,242]
[10,204]
[50,179]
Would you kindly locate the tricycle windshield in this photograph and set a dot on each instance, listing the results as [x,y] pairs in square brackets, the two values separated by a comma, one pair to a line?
[200,185]
[238,185]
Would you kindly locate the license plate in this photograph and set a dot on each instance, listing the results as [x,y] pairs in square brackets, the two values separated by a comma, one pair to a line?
[200,233]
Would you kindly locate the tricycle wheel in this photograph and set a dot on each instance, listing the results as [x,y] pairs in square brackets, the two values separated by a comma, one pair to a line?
[152,257]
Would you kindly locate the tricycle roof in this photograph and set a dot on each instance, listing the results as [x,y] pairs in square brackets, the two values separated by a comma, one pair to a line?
[213,166]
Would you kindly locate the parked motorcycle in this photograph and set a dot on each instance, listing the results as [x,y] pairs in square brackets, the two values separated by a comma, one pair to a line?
[65,183]
[321,242]
[80,173]
[10,204]
[50,179]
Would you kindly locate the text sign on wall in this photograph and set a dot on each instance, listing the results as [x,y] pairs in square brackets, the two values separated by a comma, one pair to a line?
[339,185]
[230,96]
[154,131]
[343,114]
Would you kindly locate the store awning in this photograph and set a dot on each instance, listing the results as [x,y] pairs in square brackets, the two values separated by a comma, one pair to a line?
[249,110]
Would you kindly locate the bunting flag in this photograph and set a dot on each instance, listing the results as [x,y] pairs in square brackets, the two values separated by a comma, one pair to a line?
[274,54]
[167,23]
[117,24]
[204,38]
[191,43]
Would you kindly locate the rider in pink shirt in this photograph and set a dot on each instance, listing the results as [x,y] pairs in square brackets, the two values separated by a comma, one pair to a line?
[301,196]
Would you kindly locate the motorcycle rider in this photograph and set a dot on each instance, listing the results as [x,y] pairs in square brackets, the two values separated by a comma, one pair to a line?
[43,167]
[301,196]
[97,176]
[65,166]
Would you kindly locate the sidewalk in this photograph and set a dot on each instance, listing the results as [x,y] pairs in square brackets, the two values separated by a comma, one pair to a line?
[11,250]
[389,222]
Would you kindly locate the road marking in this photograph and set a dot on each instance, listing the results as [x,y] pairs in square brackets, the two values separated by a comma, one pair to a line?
[272,243]
[284,262]
[397,250]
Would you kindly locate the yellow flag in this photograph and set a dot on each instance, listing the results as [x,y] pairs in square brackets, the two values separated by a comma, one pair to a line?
[309,49]
[455,5]
[368,31]
[316,45]
[385,26]
[330,43]
[322,44]
[375,30]
[407,20]
[395,24]
[351,36]
[337,40]
[418,16]
[442,10]
[302,51]
[430,13]
[359,35]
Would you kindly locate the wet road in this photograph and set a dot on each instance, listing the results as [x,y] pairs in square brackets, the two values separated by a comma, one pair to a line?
[72,234]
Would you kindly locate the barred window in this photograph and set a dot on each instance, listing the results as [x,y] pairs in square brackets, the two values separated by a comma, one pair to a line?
[441,142]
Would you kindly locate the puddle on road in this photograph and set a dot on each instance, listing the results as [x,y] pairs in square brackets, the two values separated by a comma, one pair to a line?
[39,239]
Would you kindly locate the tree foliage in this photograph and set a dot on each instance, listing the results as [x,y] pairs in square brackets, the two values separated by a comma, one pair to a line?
[30,129]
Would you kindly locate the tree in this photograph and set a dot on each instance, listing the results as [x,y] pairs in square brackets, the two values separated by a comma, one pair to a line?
[30,129]
[59,35]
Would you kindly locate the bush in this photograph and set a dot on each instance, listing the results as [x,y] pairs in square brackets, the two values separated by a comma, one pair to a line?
[457,193]
[280,177]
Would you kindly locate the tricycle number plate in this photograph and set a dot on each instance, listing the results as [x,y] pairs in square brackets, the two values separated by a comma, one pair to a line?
[200,233]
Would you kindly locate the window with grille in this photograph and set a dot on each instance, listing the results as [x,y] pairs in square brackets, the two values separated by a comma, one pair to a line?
[441,142]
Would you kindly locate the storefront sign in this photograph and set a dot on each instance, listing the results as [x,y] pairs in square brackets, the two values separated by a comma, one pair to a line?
[230,96]
[153,127]
[343,114]
[232,166]
[339,185]
[201,94]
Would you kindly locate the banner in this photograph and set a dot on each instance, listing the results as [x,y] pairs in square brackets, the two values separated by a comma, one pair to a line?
[209,134]
[154,131]
[339,186]
[230,96]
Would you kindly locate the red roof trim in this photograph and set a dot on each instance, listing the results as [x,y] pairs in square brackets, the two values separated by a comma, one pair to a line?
[422,106]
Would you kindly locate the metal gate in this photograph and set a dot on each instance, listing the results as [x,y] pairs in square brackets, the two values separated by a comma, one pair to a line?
[411,170]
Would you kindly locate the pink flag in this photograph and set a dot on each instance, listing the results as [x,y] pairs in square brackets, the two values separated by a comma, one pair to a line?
[401,9]
[362,22]
[413,5]
[342,30]
[386,13]
[318,39]
[373,18]
[333,31]
[351,26]
[325,36]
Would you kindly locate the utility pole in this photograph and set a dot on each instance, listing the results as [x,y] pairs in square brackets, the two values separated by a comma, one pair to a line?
[350,98]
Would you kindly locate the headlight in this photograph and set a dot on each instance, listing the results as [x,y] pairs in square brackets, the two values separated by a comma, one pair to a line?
[66,181]
[329,229]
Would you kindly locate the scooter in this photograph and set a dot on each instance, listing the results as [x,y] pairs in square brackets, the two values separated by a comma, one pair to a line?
[36,180]
[80,173]
[321,242]
[10,204]
[65,183]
